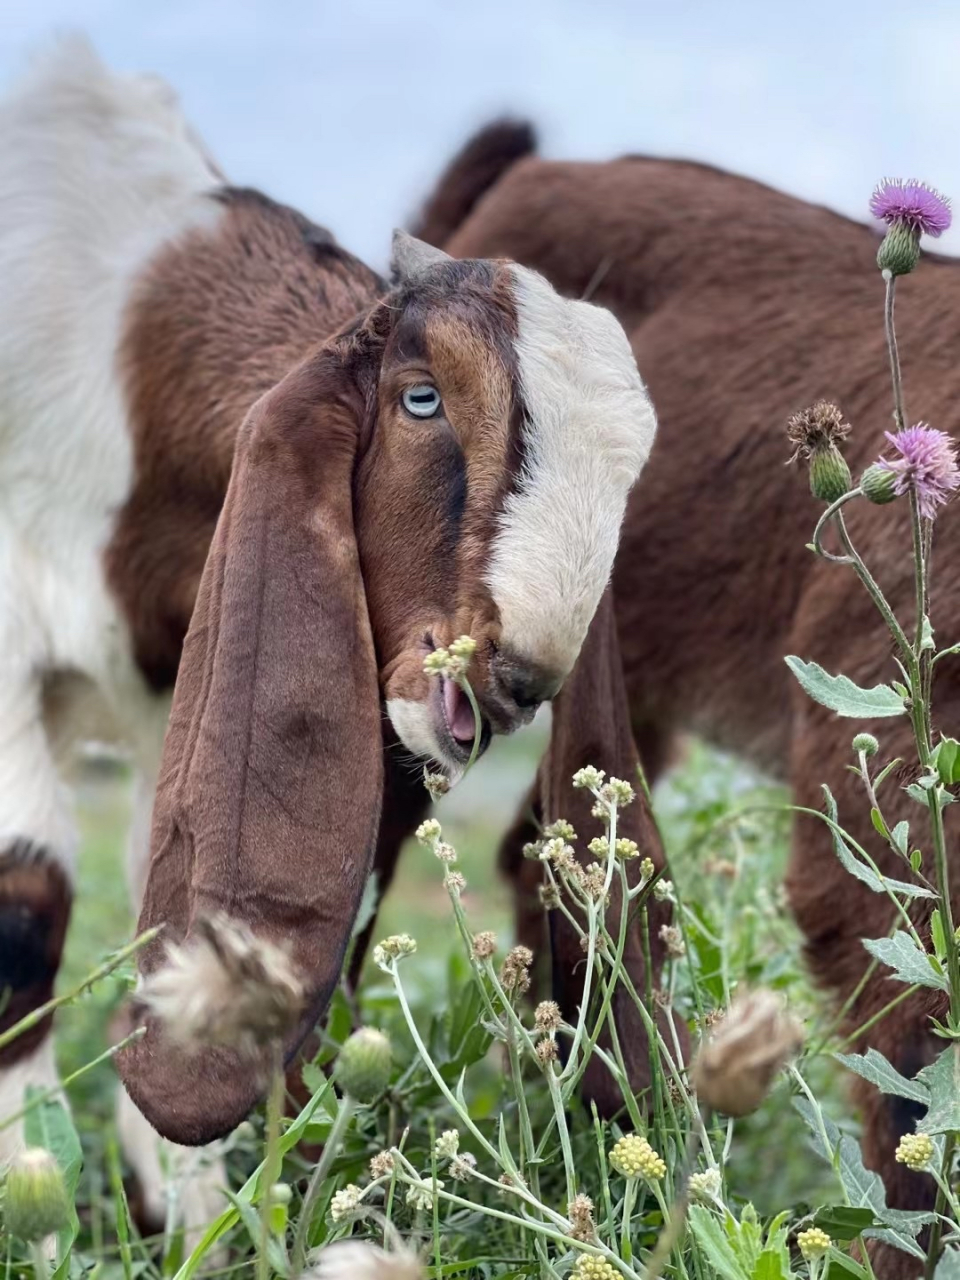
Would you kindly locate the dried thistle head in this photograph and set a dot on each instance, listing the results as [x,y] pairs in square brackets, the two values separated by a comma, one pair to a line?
[515,973]
[484,944]
[358,1260]
[737,1062]
[225,986]
[547,1017]
[815,429]
[580,1213]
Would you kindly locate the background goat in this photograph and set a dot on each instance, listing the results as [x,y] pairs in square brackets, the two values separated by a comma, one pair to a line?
[450,455]
[744,305]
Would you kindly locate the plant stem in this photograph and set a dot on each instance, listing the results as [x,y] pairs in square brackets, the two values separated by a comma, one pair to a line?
[315,1185]
[936,1228]
[899,417]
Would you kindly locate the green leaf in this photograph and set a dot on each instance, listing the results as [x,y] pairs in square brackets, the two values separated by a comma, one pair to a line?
[942,1079]
[712,1239]
[863,1187]
[845,1221]
[862,872]
[938,935]
[770,1266]
[49,1125]
[841,695]
[840,1266]
[874,1067]
[877,819]
[948,1268]
[908,962]
[900,835]
[946,757]
[926,634]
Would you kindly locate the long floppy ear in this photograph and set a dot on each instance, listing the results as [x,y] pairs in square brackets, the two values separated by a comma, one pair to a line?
[270,787]
[591,725]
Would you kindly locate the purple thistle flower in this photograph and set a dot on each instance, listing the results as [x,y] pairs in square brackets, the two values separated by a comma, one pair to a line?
[927,462]
[912,204]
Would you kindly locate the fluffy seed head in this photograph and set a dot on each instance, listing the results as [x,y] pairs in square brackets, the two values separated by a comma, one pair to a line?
[663,891]
[515,974]
[816,429]
[447,1145]
[546,1051]
[462,1166]
[454,882]
[617,792]
[420,1196]
[925,460]
[915,1151]
[672,939]
[911,204]
[35,1201]
[438,784]
[225,986]
[580,1213]
[381,1164]
[633,1157]
[484,945]
[358,1260]
[547,1017]
[549,897]
[813,1243]
[736,1064]
[364,1064]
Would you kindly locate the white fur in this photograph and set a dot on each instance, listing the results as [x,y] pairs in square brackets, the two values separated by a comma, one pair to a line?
[589,432]
[97,171]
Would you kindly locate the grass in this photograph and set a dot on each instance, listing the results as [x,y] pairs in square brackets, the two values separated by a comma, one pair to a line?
[729,881]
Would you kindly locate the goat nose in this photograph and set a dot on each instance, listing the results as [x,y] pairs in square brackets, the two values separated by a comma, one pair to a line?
[526,683]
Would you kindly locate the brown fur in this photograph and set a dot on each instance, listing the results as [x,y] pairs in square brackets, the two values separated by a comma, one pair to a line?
[35,901]
[744,305]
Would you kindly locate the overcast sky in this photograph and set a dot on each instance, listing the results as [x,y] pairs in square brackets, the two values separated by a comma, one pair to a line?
[348,110]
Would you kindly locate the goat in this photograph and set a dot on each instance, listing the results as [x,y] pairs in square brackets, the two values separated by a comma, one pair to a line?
[234,459]
[745,304]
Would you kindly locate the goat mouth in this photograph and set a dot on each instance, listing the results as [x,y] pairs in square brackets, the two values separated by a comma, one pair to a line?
[459,724]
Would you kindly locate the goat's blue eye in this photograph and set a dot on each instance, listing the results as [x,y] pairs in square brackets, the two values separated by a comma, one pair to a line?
[422,400]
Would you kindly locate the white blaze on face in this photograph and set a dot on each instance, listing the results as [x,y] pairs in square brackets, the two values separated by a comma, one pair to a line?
[589,429]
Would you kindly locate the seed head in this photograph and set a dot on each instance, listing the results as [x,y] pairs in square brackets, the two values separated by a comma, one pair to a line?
[704,1188]
[484,945]
[428,831]
[447,1145]
[663,891]
[617,792]
[515,974]
[358,1260]
[816,429]
[547,1017]
[546,1051]
[813,1243]
[915,1151]
[925,461]
[560,830]
[382,1164]
[420,1196]
[555,850]
[364,1064]
[633,1157]
[445,852]
[36,1204]
[580,1213]
[672,939]
[454,882]
[345,1202]
[549,897]
[589,1267]
[225,986]
[463,1166]
[589,778]
[396,947]
[438,784]
[737,1062]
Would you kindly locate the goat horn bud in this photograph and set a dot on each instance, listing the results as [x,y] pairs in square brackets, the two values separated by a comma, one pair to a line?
[830,475]
[899,250]
[751,1043]
[364,1065]
[35,1203]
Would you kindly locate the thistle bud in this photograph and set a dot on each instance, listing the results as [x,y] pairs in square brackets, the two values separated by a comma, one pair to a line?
[899,250]
[363,1066]
[866,743]
[36,1204]
[879,484]
[736,1064]
[830,476]
[279,1198]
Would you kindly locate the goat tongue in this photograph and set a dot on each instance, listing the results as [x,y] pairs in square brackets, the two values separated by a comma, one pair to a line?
[459,713]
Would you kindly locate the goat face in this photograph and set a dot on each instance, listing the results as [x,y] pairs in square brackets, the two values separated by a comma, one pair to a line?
[357,532]
[510,425]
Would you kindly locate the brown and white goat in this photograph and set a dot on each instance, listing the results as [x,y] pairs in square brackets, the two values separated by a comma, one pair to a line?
[205,399]
[744,305]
